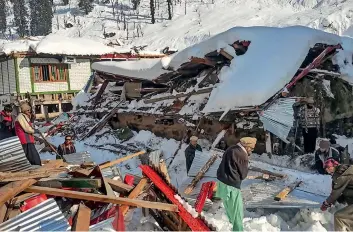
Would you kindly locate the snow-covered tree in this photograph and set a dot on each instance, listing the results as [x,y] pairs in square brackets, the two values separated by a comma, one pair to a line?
[2,16]
[41,17]
[66,2]
[169,3]
[21,17]
[135,4]
[86,5]
[152,9]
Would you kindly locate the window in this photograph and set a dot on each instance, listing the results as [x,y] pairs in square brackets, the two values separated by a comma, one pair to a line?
[49,72]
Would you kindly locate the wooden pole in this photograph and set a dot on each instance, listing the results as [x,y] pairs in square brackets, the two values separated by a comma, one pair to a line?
[200,174]
[102,198]
[118,161]
[255,169]
[137,190]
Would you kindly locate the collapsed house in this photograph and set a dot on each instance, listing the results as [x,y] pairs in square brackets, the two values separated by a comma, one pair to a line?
[296,87]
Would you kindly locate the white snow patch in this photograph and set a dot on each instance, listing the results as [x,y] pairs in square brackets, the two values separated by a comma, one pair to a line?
[56,44]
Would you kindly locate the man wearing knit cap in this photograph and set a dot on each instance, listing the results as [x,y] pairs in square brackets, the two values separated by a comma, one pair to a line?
[190,152]
[24,131]
[325,152]
[342,191]
[231,172]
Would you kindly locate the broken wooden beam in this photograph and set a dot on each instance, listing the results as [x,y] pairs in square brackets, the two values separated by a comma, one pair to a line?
[255,169]
[82,219]
[134,193]
[101,198]
[119,186]
[70,183]
[284,193]
[200,174]
[118,161]
[10,190]
[33,174]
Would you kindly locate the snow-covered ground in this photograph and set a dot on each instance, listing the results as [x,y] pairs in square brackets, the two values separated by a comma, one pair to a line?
[259,220]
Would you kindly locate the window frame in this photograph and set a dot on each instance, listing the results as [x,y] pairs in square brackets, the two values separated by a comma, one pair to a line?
[59,75]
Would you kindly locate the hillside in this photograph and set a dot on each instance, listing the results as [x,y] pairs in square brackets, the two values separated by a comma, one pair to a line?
[193,20]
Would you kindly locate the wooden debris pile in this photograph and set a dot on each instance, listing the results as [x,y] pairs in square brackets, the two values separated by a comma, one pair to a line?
[86,196]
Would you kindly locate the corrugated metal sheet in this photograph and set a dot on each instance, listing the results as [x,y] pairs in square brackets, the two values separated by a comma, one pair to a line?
[12,156]
[111,172]
[258,193]
[201,159]
[46,216]
[279,117]
[78,158]
[105,225]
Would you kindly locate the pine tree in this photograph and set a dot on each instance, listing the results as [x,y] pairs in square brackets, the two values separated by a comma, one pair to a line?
[2,16]
[86,5]
[41,17]
[47,16]
[21,17]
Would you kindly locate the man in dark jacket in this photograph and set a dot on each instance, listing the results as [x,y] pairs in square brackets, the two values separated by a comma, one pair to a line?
[342,190]
[325,152]
[67,147]
[190,151]
[231,172]
[6,129]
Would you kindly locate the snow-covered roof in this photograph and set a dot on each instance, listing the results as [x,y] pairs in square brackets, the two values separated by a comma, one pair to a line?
[56,44]
[9,47]
[271,61]
[147,69]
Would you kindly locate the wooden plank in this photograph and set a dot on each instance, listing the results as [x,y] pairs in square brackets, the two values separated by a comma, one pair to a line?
[70,183]
[82,219]
[119,186]
[200,174]
[118,161]
[225,54]
[3,210]
[102,198]
[255,169]
[12,189]
[53,164]
[284,193]
[37,173]
[100,92]
[137,190]
[205,61]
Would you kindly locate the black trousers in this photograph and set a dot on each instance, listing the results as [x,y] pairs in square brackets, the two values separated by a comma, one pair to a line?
[31,154]
[310,139]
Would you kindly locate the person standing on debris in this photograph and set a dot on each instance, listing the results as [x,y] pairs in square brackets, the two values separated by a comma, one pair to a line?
[190,152]
[342,191]
[6,129]
[24,131]
[231,172]
[325,152]
[67,147]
